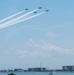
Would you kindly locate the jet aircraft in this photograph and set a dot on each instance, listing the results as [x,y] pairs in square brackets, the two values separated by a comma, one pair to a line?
[47,10]
[35,12]
[26,9]
[40,7]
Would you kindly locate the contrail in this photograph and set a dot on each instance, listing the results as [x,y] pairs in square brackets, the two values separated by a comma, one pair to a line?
[12,16]
[18,18]
[24,19]
[4,26]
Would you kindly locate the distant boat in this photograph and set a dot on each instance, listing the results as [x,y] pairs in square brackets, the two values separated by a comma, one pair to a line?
[11,74]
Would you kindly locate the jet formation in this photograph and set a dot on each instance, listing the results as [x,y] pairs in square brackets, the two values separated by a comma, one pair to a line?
[20,17]
[38,8]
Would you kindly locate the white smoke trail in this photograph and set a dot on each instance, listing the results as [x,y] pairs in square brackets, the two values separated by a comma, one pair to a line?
[16,19]
[11,16]
[24,19]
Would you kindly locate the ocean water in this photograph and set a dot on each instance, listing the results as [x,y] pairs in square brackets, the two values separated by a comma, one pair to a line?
[38,73]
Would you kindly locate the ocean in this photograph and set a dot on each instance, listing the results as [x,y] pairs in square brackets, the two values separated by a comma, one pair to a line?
[38,73]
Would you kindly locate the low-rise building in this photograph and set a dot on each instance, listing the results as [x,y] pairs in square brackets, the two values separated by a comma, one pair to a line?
[68,68]
[37,69]
[18,70]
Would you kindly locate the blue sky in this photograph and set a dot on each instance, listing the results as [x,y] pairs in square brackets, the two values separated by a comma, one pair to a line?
[46,39]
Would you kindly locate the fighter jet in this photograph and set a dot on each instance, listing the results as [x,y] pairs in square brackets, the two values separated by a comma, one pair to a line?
[35,12]
[26,9]
[47,10]
[40,7]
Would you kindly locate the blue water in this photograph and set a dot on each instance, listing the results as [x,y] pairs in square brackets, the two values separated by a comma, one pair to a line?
[36,73]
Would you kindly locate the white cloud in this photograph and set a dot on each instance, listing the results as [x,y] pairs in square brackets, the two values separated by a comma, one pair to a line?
[30,54]
[32,43]
[38,49]
[47,47]
[50,34]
